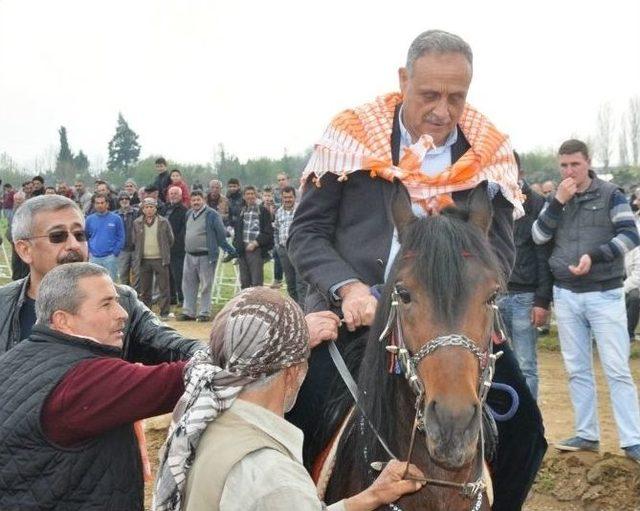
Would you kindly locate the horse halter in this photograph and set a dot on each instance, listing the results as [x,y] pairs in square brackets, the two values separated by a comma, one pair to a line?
[402,361]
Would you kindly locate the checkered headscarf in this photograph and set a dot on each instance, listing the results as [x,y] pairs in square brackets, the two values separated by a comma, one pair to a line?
[257,334]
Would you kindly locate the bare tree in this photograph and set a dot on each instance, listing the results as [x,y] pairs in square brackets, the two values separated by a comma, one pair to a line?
[623,153]
[634,128]
[604,132]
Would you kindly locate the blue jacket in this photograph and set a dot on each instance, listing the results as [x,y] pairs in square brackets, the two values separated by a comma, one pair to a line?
[106,234]
[216,234]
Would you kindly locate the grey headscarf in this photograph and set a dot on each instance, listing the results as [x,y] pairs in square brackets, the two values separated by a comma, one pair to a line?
[257,334]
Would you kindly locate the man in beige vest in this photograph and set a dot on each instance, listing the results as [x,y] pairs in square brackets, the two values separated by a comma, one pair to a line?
[229,447]
[153,237]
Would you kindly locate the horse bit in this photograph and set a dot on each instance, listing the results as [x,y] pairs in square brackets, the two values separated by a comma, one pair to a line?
[403,361]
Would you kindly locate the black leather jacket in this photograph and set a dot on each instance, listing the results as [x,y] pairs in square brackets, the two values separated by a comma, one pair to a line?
[531,272]
[146,338]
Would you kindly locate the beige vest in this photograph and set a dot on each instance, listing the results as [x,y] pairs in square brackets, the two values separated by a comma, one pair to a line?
[224,443]
[151,249]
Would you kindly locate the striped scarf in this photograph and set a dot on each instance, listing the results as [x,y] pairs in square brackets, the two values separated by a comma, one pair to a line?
[257,334]
[359,139]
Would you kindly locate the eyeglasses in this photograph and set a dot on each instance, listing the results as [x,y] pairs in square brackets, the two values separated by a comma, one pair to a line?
[57,237]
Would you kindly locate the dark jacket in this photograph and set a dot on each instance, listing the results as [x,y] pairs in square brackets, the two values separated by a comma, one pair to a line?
[165,239]
[531,271]
[343,230]
[265,238]
[127,219]
[584,225]
[162,181]
[146,339]
[105,473]
[177,216]
[236,203]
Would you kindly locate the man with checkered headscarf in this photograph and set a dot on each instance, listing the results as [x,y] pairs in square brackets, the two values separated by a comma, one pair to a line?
[229,446]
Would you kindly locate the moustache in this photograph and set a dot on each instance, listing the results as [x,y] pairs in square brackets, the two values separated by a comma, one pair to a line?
[71,257]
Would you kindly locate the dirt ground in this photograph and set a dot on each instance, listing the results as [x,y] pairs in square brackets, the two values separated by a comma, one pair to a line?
[567,481]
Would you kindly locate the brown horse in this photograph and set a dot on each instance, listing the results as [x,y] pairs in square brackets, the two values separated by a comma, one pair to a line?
[438,307]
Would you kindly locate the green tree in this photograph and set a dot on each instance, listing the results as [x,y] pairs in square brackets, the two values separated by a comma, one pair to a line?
[65,167]
[540,165]
[81,163]
[124,149]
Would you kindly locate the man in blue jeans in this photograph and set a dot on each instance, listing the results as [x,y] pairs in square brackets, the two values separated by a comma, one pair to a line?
[525,306]
[592,227]
[105,232]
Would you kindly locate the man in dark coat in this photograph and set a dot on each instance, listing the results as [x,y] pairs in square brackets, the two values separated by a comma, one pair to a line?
[176,213]
[253,238]
[342,239]
[70,401]
[49,231]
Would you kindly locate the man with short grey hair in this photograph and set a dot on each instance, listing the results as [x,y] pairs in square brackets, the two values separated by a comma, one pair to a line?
[48,232]
[70,401]
[342,240]
[217,201]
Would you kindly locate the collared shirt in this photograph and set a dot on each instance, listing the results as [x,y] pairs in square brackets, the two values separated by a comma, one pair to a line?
[267,480]
[434,162]
[251,226]
[282,224]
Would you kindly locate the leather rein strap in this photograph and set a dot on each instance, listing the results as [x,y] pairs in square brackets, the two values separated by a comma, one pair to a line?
[408,364]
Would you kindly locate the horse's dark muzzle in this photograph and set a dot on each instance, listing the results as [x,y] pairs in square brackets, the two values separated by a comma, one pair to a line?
[452,434]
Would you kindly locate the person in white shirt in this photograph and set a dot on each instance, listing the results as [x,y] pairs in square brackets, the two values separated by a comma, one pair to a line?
[229,447]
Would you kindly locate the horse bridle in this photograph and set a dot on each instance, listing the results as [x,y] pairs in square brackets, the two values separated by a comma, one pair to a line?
[404,361]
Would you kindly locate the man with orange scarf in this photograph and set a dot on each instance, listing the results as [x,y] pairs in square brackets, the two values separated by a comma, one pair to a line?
[343,242]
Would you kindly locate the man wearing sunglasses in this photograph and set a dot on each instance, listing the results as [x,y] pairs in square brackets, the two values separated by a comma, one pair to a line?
[49,231]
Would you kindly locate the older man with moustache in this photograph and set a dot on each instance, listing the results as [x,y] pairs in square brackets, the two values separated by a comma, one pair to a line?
[342,239]
[230,448]
[67,439]
[49,231]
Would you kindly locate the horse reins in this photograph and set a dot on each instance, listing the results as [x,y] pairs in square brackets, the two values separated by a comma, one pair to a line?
[404,361]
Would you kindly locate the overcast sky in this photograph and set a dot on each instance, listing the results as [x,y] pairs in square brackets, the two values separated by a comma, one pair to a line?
[264,76]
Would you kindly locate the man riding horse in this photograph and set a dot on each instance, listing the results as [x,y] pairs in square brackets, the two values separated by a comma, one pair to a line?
[343,240]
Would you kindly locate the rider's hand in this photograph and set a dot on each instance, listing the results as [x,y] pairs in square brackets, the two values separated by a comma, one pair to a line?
[566,190]
[584,266]
[539,316]
[387,488]
[323,326]
[358,305]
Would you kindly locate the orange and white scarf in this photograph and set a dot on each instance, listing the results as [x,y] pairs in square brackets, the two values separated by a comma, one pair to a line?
[359,139]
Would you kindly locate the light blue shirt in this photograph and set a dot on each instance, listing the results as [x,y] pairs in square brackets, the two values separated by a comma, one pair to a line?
[434,162]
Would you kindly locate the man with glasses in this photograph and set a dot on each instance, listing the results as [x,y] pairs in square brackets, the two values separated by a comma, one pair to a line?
[49,231]
[106,236]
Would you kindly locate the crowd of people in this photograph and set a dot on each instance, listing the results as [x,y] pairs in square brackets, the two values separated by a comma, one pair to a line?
[164,239]
[84,359]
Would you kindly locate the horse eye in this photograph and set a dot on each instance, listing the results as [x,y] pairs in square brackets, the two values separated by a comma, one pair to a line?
[492,299]
[404,294]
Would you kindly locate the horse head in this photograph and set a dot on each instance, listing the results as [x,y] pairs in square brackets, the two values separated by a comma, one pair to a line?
[445,280]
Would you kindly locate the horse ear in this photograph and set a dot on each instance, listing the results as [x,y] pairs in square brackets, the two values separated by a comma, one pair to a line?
[401,208]
[480,208]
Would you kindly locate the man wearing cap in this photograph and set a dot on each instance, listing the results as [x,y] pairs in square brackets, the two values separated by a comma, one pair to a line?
[230,448]
[153,238]
[128,213]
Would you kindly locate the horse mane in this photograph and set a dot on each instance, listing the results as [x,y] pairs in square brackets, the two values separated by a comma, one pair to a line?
[446,255]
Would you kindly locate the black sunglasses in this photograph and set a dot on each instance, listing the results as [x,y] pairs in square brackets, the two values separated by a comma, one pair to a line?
[56,237]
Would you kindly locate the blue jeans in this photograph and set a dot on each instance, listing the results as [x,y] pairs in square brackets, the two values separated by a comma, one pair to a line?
[109,263]
[515,309]
[603,314]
